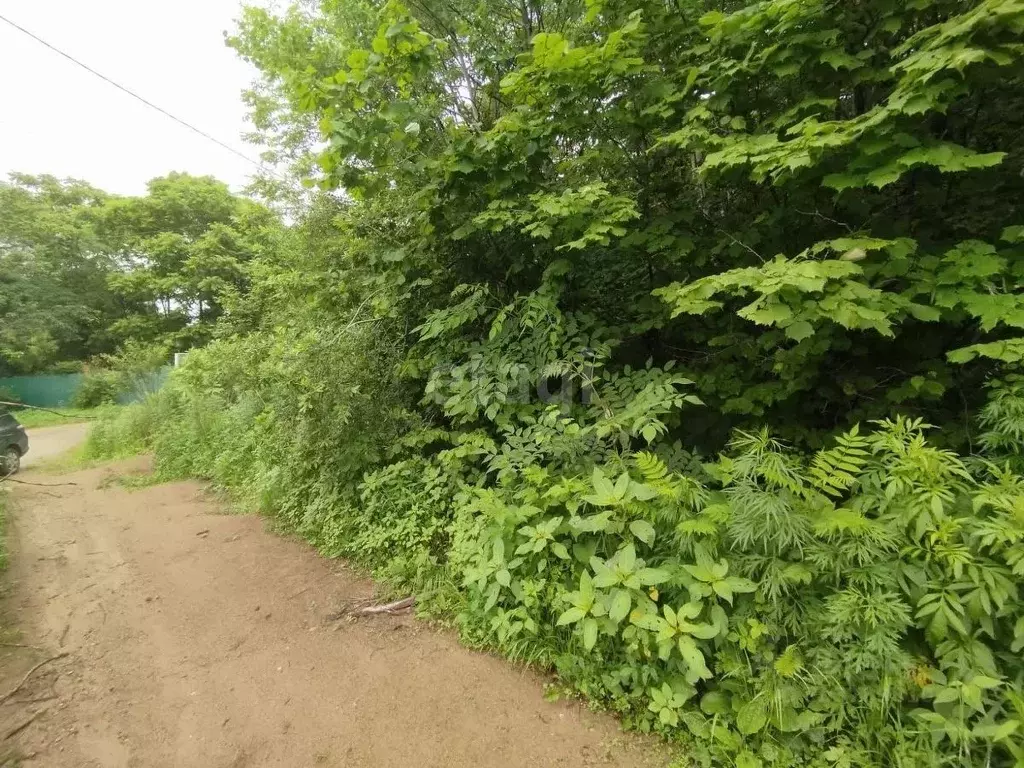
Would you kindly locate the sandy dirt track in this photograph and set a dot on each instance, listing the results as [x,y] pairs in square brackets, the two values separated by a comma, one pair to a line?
[199,639]
[48,442]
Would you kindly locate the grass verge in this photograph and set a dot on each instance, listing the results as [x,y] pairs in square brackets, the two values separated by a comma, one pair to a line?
[31,418]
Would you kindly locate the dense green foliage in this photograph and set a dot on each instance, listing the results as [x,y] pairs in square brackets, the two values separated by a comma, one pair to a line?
[811,206]
[54,300]
[575,269]
[135,371]
[82,272]
[182,252]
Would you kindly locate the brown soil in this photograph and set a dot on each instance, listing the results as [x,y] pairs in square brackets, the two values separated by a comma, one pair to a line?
[197,638]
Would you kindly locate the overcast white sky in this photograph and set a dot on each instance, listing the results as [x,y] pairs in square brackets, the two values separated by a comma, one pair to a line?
[57,118]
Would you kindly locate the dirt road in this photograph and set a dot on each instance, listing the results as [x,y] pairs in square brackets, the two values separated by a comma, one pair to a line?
[198,639]
[47,442]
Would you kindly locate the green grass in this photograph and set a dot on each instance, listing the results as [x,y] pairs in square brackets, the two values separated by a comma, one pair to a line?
[30,418]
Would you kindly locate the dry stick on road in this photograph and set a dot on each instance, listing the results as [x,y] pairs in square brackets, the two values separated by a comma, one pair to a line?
[38,485]
[48,410]
[8,478]
[350,611]
[24,680]
[398,605]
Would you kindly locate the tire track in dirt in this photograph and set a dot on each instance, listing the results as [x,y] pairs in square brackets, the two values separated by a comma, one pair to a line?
[198,639]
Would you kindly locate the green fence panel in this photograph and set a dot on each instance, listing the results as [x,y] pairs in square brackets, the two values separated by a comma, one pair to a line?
[48,391]
[57,390]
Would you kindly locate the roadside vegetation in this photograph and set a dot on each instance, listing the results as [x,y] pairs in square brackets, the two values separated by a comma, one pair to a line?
[673,347]
[30,419]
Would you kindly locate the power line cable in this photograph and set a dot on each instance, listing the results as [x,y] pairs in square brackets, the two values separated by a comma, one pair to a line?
[134,95]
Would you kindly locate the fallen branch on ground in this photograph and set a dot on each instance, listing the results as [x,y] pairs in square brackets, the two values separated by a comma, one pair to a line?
[10,479]
[373,609]
[48,410]
[38,485]
[29,674]
[398,605]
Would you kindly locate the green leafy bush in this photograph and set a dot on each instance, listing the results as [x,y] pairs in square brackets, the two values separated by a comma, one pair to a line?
[134,372]
[790,611]
[97,388]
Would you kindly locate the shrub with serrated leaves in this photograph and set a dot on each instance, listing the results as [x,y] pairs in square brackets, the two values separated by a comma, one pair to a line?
[1002,420]
[776,614]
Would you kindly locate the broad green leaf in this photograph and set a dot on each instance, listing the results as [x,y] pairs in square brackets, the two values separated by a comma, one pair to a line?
[984,682]
[603,575]
[643,531]
[560,550]
[751,718]
[799,330]
[626,557]
[643,492]
[589,633]
[700,572]
[971,695]
[651,576]
[571,616]
[648,621]
[702,631]
[694,659]
[741,585]
[1014,234]
[723,589]
[621,603]
[493,592]
[996,732]
[603,487]
[621,486]
[586,587]
[715,703]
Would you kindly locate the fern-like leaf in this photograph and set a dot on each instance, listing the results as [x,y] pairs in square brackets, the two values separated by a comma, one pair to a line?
[651,467]
[834,471]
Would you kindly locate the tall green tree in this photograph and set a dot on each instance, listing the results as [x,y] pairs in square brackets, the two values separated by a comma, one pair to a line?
[55,303]
[83,272]
[179,251]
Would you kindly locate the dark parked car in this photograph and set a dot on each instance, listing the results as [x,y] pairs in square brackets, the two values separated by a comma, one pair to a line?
[13,444]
